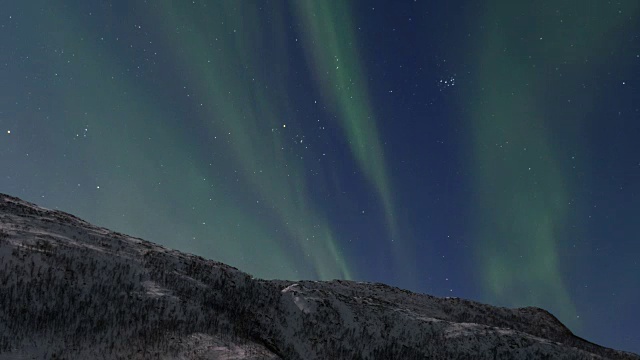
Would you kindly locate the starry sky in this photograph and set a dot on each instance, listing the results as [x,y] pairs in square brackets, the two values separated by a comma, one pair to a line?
[480,149]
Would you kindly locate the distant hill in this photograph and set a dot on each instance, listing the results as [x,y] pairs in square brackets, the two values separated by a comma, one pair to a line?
[71,290]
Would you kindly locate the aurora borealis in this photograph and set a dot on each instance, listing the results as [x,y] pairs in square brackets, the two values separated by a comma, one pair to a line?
[486,150]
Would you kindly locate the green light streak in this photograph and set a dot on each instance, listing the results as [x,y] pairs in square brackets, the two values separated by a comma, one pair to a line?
[331,48]
[136,137]
[523,190]
[330,44]
[249,116]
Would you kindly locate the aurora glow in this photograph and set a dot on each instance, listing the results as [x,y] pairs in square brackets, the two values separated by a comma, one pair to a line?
[486,150]
[524,192]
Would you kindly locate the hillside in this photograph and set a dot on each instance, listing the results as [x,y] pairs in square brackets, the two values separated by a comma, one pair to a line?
[71,290]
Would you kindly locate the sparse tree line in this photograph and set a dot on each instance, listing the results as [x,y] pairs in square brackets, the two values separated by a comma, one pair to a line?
[74,296]
[96,298]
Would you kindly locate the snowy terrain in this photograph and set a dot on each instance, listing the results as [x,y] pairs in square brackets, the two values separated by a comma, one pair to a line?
[71,290]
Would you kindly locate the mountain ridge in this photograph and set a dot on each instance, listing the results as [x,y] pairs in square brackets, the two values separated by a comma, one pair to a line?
[72,290]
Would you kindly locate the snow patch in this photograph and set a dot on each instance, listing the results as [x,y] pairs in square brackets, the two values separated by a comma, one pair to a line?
[154,290]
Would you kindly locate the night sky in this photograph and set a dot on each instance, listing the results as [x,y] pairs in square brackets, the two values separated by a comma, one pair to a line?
[488,150]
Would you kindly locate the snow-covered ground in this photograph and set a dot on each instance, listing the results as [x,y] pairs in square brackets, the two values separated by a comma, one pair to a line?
[69,289]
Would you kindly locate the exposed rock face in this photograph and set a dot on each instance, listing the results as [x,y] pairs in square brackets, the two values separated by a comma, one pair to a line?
[69,289]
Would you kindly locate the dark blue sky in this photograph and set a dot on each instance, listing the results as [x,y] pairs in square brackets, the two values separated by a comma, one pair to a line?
[485,150]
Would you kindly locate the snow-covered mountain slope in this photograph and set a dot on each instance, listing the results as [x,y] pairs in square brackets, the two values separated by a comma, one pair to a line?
[71,290]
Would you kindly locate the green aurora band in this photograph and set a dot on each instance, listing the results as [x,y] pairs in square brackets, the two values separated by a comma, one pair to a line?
[250,115]
[237,119]
[331,46]
[527,61]
[332,51]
